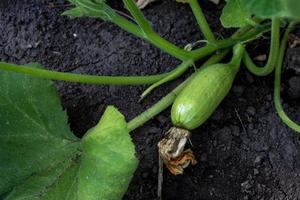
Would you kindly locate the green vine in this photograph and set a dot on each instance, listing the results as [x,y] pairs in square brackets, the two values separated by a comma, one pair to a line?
[142,28]
[274,49]
[290,123]
[35,126]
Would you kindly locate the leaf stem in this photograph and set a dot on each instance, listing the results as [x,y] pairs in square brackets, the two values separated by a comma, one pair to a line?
[143,23]
[155,39]
[167,100]
[179,53]
[274,48]
[238,52]
[144,30]
[127,25]
[202,22]
[152,37]
[173,75]
[79,78]
[277,99]
[237,37]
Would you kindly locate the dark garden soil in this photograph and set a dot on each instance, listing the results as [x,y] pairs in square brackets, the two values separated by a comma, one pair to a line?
[244,151]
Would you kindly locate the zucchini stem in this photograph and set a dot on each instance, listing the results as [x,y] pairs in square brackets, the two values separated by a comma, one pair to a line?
[79,78]
[151,37]
[143,23]
[238,52]
[144,31]
[277,99]
[237,37]
[274,49]
[202,22]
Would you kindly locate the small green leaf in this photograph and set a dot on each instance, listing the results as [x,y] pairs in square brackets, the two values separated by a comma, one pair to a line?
[273,8]
[40,158]
[90,8]
[234,15]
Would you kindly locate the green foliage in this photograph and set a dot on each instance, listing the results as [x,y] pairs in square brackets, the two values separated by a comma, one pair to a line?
[237,13]
[234,15]
[40,158]
[108,154]
[90,8]
[273,8]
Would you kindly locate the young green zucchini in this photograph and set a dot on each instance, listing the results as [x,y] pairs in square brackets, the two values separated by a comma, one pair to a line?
[196,102]
[204,93]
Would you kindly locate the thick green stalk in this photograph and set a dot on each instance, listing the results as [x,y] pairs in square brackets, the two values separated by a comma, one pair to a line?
[128,26]
[168,47]
[153,38]
[88,79]
[238,52]
[274,48]
[237,37]
[143,23]
[169,98]
[161,105]
[290,123]
[144,30]
[131,80]
[204,26]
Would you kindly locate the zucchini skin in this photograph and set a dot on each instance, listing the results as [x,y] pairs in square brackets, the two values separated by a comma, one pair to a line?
[202,95]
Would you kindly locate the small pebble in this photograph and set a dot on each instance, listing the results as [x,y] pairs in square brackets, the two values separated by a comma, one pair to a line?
[258,160]
[251,111]
[246,185]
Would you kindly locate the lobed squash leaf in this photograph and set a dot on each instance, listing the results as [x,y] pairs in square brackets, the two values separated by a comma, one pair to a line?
[40,158]
[273,8]
[234,15]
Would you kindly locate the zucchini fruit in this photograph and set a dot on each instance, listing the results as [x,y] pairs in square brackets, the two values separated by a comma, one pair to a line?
[199,99]
[193,106]
[201,96]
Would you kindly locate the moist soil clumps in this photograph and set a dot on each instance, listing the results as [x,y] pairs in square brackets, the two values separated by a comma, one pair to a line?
[244,150]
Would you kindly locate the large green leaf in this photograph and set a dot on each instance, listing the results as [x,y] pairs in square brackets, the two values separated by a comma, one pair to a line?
[234,15]
[40,158]
[91,8]
[273,8]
